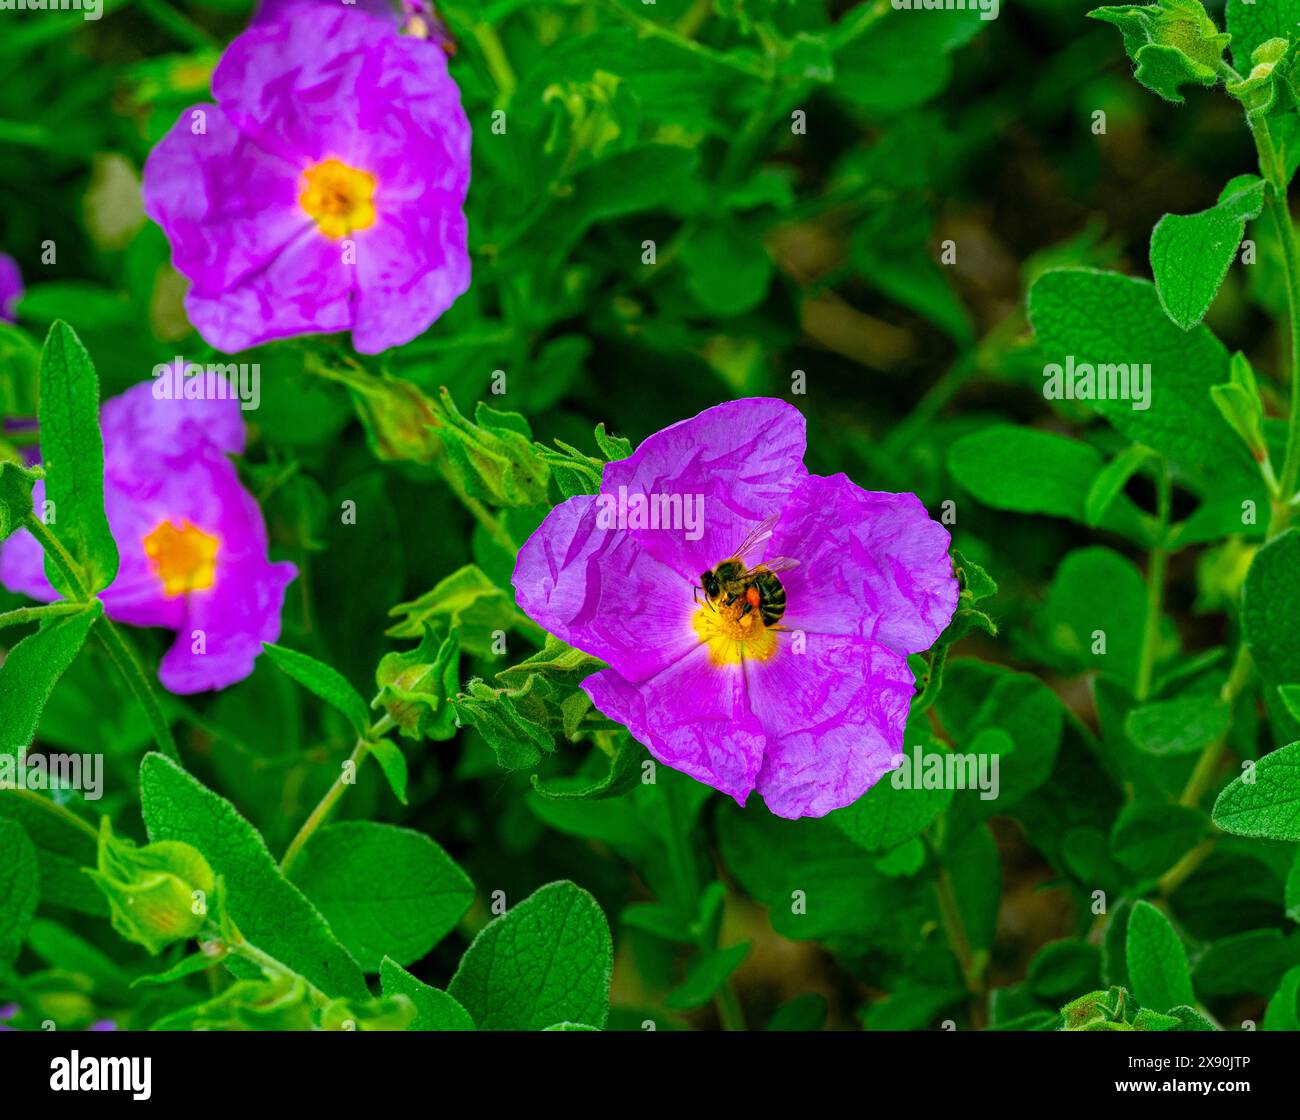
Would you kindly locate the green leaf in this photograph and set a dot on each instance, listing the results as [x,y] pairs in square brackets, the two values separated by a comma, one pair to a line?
[1173,42]
[1027,471]
[435,1010]
[1289,694]
[64,845]
[1105,319]
[512,720]
[622,775]
[727,270]
[393,763]
[1265,800]
[465,601]
[1246,963]
[1094,613]
[72,454]
[1291,895]
[705,975]
[1253,22]
[1270,604]
[1185,725]
[547,960]
[15,495]
[1191,253]
[887,814]
[1062,967]
[269,910]
[32,669]
[1109,482]
[323,681]
[20,889]
[1282,1013]
[491,458]
[385,891]
[1149,838]
[1157,961]
[1189,1019]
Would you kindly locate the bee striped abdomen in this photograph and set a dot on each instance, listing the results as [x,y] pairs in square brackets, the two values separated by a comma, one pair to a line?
[771,594]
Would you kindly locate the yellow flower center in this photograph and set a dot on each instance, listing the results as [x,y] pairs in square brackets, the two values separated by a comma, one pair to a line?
[340,198]
[183,558]
[733,635]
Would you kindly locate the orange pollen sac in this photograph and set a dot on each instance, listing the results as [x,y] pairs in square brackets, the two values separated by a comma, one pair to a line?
[340,198]
[184,558]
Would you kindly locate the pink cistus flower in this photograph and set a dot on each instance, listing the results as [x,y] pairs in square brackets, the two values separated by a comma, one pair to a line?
[191,539]
[324,190]
[11,287]
[793,681]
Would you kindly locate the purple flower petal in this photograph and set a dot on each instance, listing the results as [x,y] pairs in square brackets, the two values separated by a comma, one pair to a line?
[599,591]
[743,458]
[272,247]
[165,464]
[808,707]
[834,715]
[870,563]
[692,716]
[11,286]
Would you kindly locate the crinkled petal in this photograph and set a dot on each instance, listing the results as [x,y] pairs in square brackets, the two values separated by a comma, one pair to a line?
[599,591]
[144,417]
[228,206]
[870,564]
[692,716]
[743,458]
[233,619]
[834,715]
[306,289]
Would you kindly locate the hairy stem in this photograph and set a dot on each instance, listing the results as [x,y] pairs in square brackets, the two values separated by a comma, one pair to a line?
[1156,568]
[332,795]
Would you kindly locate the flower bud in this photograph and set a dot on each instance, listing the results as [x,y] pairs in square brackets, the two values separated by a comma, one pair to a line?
[156,894]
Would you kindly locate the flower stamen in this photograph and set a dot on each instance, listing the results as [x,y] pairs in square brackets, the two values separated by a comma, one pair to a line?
[340,198]
[183,557]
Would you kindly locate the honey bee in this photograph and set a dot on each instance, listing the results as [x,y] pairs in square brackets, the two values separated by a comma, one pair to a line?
[733,583]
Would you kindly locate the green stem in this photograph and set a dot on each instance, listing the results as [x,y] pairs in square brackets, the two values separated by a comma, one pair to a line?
[1274,169]
[23,615]
[1174,878]
[648,27]
[62,812]
[1207,766]
[686,873]
[268,964]
[494,55]
[128,664]
[178,24]
[1156,568]
[332,795]
[62,559]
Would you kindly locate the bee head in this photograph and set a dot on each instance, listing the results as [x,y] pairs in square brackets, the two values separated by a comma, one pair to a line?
[710,584]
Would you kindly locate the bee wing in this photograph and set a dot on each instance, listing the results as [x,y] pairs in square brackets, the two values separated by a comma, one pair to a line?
[777,564]
[760,534]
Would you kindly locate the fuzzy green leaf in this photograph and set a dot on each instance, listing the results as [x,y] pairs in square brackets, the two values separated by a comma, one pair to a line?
[548,959]
[1157,961]
[1191,253]
[72,452]
[20,889]
[323,681]
[269,910]
[32,669]
[435,1010]
[385,891]
[1268,804]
